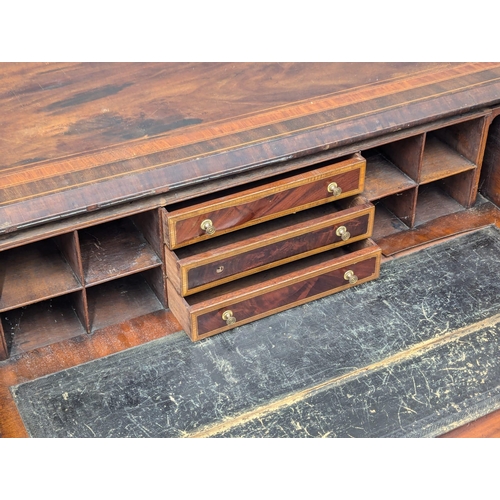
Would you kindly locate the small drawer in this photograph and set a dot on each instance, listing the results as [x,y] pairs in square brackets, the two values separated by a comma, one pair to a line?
[185,225]
[233,304]
[211,263]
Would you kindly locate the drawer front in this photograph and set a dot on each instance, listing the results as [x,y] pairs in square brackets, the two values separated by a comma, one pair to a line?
[206,220]
[270,248]
[208,318]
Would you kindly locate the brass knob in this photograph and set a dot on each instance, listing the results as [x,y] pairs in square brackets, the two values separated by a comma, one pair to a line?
[343,233]
[228,317]
[207,226]
[350,277]
[334,189]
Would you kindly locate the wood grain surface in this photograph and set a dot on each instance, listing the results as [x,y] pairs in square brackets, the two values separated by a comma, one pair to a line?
[296,293]
[34,273]
[383,178]
[81,136]
[112,250]
[264,202]
[275,290]
[55,110]
[270,244]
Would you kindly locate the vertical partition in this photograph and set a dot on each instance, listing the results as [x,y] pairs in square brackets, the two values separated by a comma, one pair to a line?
[490,175]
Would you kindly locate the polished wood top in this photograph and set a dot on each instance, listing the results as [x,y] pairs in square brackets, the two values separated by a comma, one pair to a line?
[81,136]
[51,111]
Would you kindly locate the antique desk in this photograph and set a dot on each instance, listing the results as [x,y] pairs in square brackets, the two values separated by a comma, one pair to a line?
[227,192]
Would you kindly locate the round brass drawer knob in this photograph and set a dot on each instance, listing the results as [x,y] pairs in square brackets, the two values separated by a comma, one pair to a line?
[207,226]
[334,189]
[343,233]
[228,317]
[350,277]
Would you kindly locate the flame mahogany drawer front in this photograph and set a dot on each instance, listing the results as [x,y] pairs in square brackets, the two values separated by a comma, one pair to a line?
[211,263]
[186,225]
[234,304]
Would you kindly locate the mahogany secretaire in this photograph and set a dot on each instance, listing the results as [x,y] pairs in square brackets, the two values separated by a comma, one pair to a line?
[227,192]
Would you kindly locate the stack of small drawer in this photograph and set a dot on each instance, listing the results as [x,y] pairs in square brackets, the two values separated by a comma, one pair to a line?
[264,248]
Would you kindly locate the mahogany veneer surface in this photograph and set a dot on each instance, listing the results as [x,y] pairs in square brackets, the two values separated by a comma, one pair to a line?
[272,200]
[82,136]
[55,110]
[267,248]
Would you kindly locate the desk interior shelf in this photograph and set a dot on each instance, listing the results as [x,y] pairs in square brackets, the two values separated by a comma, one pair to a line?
[386,222]
[440,161]
[422,177]
[41,324]
[383,178]
[121,300]
[115,249]
[80,281]
[434,202]
[34,272]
